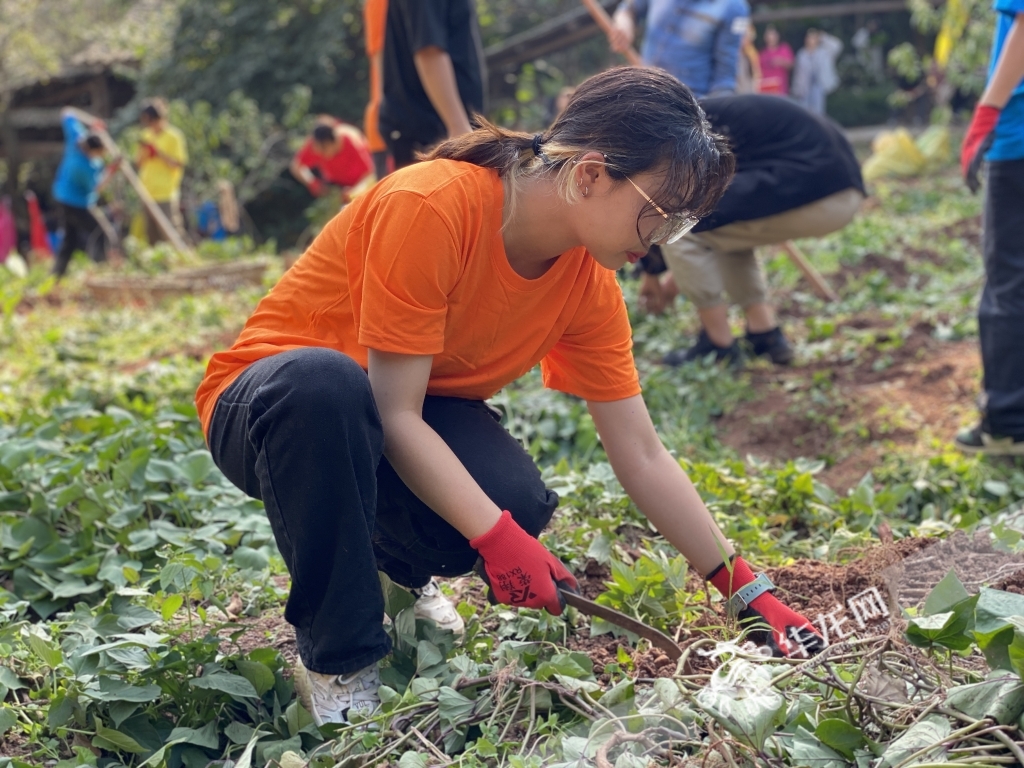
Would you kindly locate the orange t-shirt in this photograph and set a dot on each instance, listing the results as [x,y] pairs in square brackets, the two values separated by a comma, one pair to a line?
[417,265]
[375,16]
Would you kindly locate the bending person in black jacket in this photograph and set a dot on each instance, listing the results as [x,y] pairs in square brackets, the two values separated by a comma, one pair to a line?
[796,176]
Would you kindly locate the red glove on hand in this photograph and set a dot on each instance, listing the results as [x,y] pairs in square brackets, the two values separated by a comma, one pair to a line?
[315,187]
[977,142]
[791,631]
[519,570]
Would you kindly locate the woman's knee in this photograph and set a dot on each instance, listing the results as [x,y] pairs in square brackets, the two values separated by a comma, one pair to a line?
[532,507]
[320,386]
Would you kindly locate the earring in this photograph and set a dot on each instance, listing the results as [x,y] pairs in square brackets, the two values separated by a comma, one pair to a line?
[586,191]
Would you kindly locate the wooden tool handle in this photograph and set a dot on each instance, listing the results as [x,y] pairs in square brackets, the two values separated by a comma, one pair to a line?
[604,21]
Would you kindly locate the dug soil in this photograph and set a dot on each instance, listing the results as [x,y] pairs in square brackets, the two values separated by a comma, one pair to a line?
[881,387]
[899,392]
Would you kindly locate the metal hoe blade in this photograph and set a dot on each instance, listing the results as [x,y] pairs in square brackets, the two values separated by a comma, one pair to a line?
[619,619]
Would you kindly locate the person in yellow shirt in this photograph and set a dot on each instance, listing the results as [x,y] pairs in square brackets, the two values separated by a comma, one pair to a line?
[162,157]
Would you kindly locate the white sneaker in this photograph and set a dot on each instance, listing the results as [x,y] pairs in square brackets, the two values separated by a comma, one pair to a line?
[330,698]
[432,604]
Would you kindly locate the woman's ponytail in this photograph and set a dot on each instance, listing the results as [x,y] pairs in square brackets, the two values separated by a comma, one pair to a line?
[640,118]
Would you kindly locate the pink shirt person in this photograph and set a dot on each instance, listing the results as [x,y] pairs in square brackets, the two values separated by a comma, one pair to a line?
[776,61]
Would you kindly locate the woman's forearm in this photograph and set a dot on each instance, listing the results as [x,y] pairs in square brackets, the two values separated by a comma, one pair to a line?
[434,473]
[656,483]
[667,497]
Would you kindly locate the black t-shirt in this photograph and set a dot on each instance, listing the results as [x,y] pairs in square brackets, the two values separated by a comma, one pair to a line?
[786,157]
[451,25]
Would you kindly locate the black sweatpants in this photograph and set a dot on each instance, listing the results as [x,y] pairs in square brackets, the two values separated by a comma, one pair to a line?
[78,224]
[1001,311]
[300,431]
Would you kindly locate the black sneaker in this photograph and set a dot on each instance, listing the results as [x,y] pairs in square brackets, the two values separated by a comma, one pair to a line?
[772,344]
[732,355]
[978,440]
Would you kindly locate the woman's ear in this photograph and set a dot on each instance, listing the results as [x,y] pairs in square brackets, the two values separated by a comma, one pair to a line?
[590,169]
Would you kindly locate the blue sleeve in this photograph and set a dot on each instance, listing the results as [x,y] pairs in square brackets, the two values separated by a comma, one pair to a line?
[638,7]
[74,131]
[1009,6]
[726,54]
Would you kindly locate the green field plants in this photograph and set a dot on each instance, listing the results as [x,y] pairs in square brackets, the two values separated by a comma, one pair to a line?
[141,593]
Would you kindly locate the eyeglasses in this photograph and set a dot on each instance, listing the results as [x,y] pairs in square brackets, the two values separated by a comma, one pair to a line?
[675,225]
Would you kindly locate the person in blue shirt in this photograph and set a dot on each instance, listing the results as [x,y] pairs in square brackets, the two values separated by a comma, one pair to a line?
[697,41]
[995,138]
[76,188]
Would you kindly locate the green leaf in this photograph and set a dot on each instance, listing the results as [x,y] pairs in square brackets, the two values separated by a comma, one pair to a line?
[247,557]
[170,605]
[452,706]
[600,549]
[389,697]
[201,737]
[996,487]
[413,760]
[806,750]
[197,466]
[60,711]
[946,594]
[160,471]
[112,689]
[1000,698]
[260,675]
[427,656]
[740,697]
[945,629]
[245,760]
[10,680]
[297,718]
[239,733]
[932,730]
[484,748]
[396,599]
[232,685]
[993,631]
[624,690]
[121,711]
[840,736]
[108,738]
[157,758]
[74,588]
[49,652]
[7,719]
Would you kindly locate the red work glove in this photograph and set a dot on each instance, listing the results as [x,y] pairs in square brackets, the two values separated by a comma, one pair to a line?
[977,142]
[519,570]
[315,187]
[148,151]
[791,632]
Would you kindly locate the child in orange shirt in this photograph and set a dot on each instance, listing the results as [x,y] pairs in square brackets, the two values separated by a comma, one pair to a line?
[353,402]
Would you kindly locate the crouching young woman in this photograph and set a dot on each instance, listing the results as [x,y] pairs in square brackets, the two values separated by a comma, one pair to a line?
[354,401]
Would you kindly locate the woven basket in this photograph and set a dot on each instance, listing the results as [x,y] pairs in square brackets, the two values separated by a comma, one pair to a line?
[212,277]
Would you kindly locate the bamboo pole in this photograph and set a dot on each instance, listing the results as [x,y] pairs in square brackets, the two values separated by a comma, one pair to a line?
[169,230]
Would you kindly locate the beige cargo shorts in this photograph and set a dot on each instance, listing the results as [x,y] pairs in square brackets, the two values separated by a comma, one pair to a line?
[707,264]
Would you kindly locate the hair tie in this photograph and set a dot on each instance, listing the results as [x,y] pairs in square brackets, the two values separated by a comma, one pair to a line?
[537,138]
